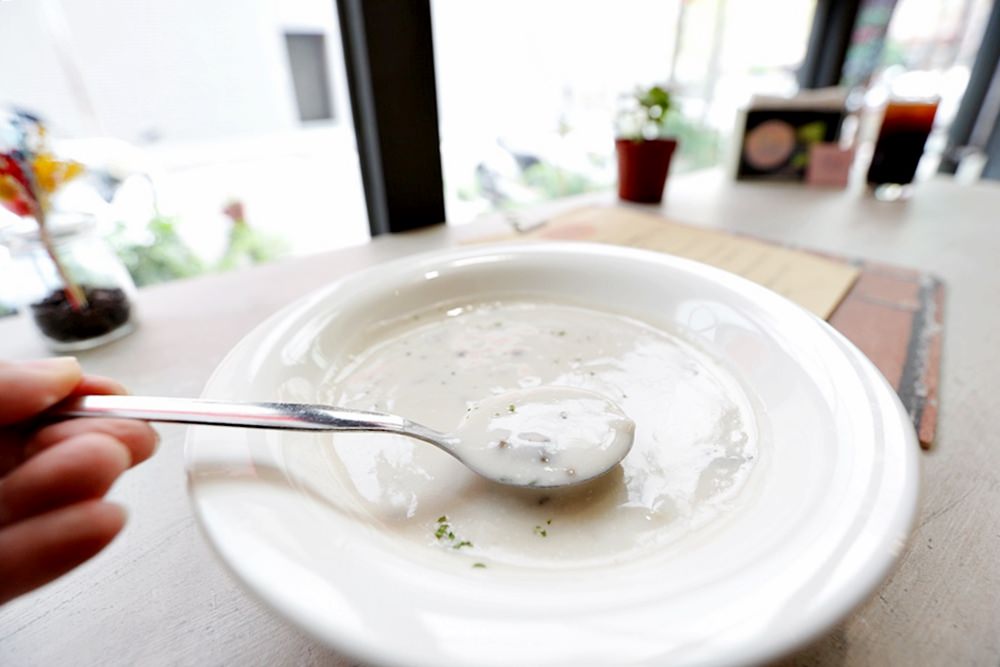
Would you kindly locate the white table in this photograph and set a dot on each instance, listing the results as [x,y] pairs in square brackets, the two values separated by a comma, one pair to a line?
[157,596]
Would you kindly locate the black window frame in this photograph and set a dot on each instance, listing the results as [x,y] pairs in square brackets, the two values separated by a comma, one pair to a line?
[389,57]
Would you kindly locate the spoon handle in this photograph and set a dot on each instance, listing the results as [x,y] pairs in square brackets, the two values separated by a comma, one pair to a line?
[288,416]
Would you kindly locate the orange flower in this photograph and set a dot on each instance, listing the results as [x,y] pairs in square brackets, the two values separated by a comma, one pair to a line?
[51,174]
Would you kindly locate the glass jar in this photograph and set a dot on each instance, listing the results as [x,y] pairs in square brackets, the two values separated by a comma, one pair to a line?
[66,323]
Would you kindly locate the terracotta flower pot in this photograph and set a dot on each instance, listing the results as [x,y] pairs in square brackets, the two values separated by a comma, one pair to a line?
[643,167]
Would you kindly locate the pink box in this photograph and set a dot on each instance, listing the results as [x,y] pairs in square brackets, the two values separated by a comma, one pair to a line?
[829,164]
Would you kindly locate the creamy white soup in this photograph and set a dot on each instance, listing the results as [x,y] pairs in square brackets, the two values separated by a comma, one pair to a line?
[544,437]
[695,436]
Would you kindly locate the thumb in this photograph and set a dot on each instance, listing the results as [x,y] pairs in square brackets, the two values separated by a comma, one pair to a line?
[29,387]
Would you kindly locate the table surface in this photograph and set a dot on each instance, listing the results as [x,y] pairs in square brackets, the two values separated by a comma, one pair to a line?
[157,596]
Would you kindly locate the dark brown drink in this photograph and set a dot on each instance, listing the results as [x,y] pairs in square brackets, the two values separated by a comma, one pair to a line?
[901,140]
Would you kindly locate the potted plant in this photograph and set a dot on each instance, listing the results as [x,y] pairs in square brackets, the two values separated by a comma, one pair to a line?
[644,151]
[78,288]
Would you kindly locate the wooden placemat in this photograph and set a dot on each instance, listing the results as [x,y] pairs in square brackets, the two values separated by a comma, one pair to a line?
[814,282]
[894,315]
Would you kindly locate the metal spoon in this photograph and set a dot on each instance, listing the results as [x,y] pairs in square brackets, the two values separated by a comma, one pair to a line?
[534,458]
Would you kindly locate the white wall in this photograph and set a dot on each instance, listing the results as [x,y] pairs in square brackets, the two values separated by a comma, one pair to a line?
[177,70]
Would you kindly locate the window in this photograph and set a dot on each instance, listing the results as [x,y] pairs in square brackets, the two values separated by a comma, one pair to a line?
[929,50]
[528,92]
[307,61]
[213,103]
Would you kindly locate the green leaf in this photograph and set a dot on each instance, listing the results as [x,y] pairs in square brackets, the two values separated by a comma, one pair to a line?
[811,133]
[655,96]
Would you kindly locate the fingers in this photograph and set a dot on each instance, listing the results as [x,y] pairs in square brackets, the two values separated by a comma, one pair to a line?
[139,437]
[82,468]
[26,388]
[36,551]
[29,387]
[97,384]
[50,518]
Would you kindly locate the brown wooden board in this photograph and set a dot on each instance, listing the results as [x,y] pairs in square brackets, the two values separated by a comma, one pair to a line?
[896,317]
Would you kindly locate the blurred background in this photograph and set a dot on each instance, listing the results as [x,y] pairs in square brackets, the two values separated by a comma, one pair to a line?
[221,133]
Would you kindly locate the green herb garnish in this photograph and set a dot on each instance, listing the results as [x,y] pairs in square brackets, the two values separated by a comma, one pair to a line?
[541,531]
[511,408]
[479,565]
[444,532]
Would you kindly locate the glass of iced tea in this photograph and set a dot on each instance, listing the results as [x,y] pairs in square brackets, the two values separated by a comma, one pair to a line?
[905,127]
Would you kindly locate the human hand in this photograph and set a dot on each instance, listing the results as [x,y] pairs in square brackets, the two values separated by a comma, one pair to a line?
[53,476]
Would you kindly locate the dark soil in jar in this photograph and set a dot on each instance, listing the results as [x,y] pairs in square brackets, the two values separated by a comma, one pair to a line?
[106,310]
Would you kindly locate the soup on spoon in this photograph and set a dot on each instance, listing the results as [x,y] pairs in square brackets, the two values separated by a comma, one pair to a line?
[544,436]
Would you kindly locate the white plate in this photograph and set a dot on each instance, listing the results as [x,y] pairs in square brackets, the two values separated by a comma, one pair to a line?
[824,516]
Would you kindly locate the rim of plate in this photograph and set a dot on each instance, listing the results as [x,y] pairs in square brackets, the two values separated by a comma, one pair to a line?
[886,540]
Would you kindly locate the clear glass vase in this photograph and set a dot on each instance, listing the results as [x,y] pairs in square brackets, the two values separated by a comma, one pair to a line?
[66,322]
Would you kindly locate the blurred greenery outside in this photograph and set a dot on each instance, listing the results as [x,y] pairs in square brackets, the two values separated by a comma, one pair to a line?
[698,148]
[160,254]
[163,255]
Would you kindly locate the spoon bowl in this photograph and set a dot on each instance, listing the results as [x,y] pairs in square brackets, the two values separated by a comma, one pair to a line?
[544,436]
